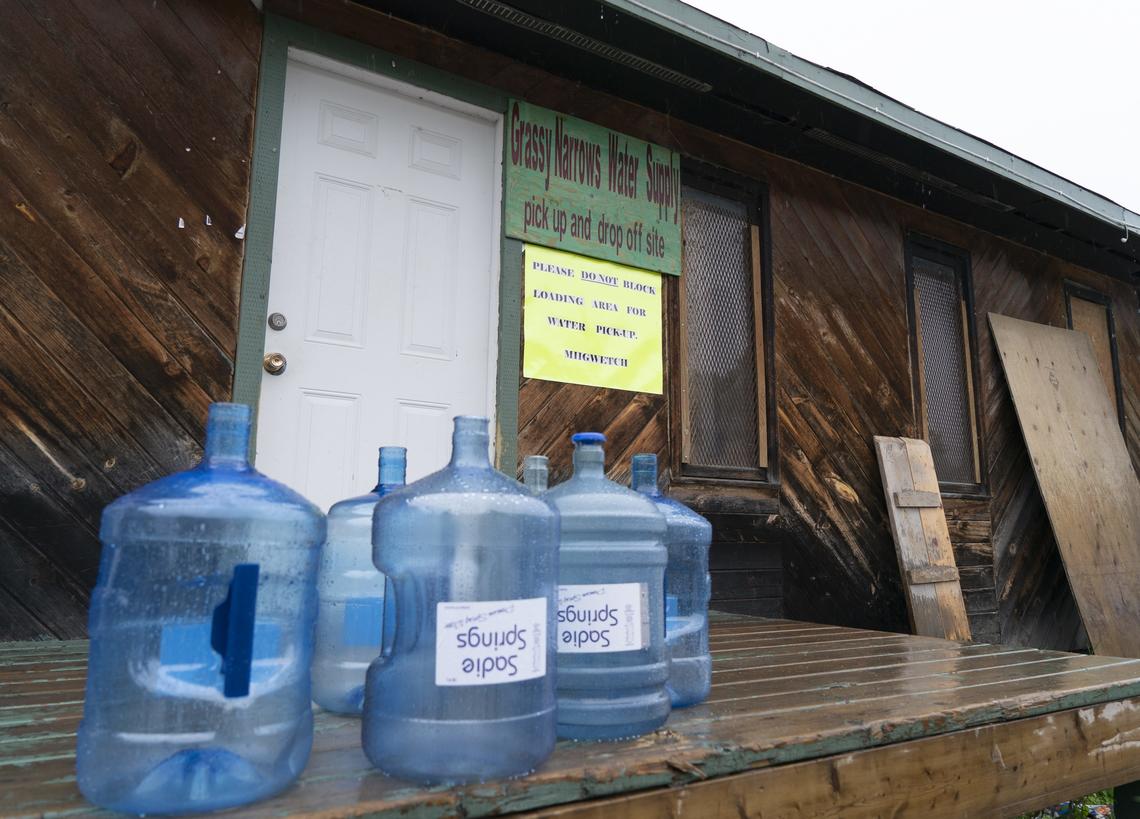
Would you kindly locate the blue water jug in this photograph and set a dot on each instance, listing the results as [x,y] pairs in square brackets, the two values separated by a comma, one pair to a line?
[351,592]
[464,689]
[687,589]
[201,632]
[611,609]
[536,472]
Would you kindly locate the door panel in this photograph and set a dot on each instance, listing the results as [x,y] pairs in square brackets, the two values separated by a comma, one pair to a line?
[383,265]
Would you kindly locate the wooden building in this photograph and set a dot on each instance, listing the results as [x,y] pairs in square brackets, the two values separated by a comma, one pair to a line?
[186,187]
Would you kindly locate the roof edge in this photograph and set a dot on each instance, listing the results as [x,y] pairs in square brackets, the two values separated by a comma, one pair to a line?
[711,32]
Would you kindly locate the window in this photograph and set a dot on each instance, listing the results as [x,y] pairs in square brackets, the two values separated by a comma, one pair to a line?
[723,390]
[941,315]
[1091,313]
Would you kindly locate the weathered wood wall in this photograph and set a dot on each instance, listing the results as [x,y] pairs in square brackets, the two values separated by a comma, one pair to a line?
[842,372]
[854,321]
[121,327]
[1036,605]
[117,328]
[747,570]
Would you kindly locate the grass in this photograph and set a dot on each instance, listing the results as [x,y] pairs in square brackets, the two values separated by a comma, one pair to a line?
[1078,808]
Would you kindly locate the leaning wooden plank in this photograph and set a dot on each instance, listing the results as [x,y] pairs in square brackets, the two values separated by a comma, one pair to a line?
[940,550]
[922,539]
[1084,472]
[925,617]
[996,770]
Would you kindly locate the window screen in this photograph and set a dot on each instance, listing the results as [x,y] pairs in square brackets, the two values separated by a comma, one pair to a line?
[722,414]
[944,368]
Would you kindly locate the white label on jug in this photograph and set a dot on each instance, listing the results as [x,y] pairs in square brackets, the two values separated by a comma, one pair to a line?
[596,619]
[490,641]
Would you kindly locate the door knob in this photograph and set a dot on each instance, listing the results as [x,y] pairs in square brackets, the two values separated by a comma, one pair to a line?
[274,363]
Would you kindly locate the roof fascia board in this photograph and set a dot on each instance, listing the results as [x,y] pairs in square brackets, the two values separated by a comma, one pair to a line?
[692,24]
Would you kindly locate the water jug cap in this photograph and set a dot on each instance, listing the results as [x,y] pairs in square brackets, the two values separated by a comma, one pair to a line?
[588,438]
[536,460]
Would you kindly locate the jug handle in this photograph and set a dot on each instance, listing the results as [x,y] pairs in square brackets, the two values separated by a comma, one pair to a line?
[388,628]
[392,635]
[231,634]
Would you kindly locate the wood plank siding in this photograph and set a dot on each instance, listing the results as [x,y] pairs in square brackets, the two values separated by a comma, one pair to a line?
[117,327]
[842,371]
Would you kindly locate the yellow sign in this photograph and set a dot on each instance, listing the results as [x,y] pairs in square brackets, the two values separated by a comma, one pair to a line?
[587,321]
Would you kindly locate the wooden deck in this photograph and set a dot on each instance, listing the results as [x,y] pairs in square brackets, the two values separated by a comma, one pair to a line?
[803,720]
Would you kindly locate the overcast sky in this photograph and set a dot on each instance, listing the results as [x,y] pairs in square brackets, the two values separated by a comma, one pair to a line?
[1056,82]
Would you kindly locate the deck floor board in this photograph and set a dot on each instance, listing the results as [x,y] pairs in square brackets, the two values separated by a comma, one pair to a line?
[784,694]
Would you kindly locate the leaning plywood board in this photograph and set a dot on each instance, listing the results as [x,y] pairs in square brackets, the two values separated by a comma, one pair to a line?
[1083,470]
[922,540]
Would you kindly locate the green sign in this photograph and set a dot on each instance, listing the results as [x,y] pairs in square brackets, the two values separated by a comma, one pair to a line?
[579,187]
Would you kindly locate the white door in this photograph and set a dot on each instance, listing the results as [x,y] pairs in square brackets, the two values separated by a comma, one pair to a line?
[384,268]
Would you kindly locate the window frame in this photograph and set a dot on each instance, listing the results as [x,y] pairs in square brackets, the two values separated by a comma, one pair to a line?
[958,259]
[1071,290]
[754,194]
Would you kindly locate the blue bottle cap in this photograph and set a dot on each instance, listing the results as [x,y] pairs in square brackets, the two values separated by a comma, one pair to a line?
[588,438]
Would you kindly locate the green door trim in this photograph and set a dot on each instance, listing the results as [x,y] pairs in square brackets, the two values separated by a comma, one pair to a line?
[278,36]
